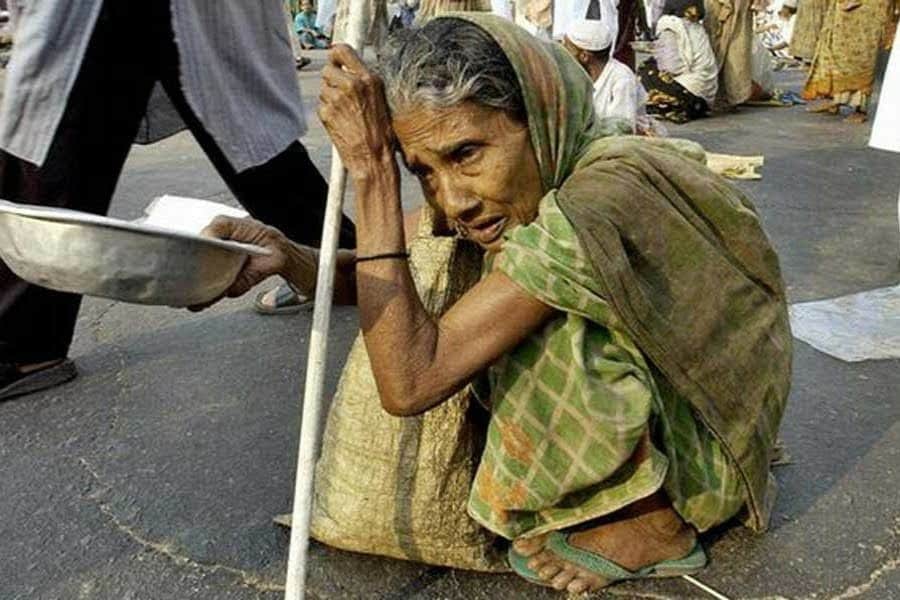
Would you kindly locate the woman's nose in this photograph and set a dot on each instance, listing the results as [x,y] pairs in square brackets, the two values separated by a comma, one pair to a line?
[459,203]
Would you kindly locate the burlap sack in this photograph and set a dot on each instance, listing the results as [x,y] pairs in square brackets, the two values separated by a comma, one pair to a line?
[398,487]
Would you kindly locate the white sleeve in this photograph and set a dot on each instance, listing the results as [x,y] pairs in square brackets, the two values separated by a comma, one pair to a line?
[624,103]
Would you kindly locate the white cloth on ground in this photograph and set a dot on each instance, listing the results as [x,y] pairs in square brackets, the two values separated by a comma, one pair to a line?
[701,71]
[234,57]
[863,326]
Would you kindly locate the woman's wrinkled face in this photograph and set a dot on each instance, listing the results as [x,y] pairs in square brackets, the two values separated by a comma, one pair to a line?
[476,164]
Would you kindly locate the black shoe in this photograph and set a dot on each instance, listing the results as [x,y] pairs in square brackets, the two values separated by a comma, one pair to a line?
[15,383]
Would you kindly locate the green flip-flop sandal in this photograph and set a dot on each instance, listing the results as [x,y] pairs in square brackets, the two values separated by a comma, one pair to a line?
[519,564]
[558,543]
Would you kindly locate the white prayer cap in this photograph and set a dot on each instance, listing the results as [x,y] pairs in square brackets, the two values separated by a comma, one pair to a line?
[589,34]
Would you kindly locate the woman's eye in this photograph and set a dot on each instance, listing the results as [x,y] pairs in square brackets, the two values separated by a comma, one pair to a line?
[466,153]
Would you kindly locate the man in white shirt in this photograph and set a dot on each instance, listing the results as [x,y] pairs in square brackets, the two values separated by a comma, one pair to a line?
[618,94]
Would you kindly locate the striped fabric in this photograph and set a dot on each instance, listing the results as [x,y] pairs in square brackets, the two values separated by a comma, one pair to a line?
[236,67]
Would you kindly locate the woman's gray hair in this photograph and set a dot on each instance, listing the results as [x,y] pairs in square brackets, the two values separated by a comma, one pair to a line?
[445,63]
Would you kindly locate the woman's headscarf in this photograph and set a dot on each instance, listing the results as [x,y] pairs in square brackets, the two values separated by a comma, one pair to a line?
[557,93]
[558,97]
[680,253]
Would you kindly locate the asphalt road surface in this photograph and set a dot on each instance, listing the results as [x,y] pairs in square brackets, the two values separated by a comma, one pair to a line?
[155,475]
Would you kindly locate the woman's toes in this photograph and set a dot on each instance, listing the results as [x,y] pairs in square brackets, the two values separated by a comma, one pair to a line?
[562,579]
[542,559]
[529,546]
[592,582]
[578,586]
[549,571]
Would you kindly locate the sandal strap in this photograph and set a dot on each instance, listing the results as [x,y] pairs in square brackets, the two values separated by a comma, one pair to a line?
[519,564]
[558,543]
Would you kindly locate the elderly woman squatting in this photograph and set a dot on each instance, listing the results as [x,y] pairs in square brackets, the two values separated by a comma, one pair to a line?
[596,465]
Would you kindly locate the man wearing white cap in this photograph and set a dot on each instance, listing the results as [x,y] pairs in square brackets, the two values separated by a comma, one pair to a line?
[617,91]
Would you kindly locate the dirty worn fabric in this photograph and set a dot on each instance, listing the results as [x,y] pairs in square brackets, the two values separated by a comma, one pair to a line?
[844,65]
[687,267]
[810,15]
[730,27]
[679,256]
[572,402]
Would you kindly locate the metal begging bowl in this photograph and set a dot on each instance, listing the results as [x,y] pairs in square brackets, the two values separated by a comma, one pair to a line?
[78,252]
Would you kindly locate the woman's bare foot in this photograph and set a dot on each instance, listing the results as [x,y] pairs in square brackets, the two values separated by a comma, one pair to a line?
[645,533]
[856,118]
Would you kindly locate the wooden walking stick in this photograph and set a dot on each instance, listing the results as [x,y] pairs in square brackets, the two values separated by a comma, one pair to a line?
[295,585]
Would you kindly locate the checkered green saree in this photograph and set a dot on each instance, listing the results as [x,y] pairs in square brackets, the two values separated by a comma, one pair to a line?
[672,343]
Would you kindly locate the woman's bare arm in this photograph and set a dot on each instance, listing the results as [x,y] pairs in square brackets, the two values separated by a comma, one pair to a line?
[298,264]
[419,361]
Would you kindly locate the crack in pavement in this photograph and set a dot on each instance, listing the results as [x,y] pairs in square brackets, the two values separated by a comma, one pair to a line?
[855,590]
[261,585]
[861,588]
[244,578]
[890,565]
[118,354]
[96,322]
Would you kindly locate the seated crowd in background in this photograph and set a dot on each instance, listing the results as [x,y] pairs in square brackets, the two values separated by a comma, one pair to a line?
[311,36]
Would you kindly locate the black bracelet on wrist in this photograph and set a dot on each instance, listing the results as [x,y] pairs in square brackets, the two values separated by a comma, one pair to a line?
[385,256]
